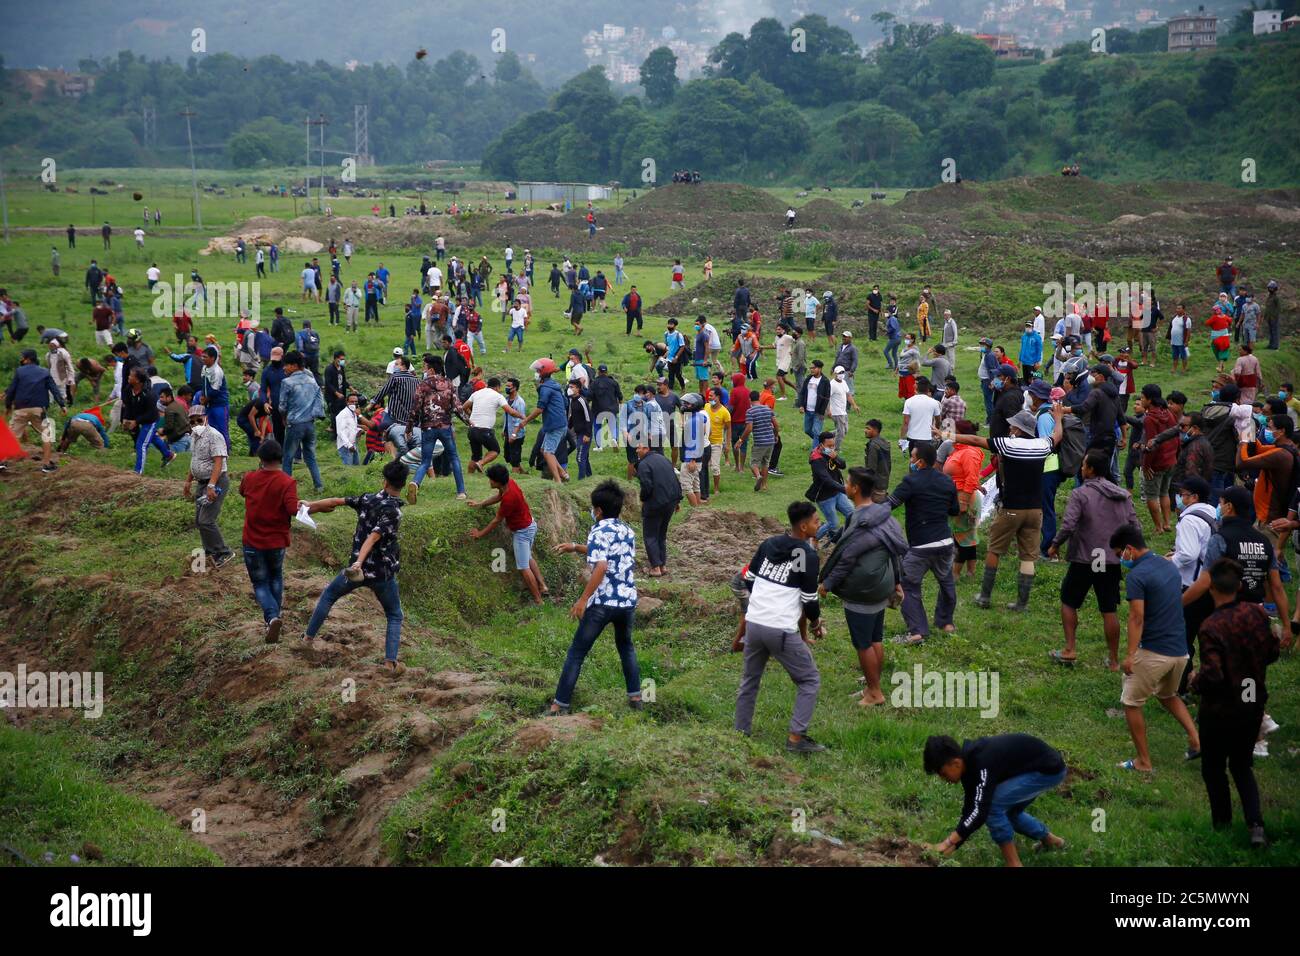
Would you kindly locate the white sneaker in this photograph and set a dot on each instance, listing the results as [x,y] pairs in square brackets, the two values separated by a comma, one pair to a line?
[1269,725]
[1261,748]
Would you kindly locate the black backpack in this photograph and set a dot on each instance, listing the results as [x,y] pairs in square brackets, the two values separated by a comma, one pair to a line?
[871,581]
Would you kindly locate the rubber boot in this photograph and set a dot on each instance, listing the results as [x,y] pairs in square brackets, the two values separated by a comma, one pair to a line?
[1025,583]
[983,599]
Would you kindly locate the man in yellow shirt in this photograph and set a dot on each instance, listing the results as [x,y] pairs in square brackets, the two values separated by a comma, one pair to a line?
[719,430]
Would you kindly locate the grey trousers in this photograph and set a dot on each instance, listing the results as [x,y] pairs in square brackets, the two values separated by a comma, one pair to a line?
[841,429]
[791,653]
[206,514]
[916,562]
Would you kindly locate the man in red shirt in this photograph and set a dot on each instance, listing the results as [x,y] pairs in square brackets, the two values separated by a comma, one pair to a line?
[182,322]
[512,508]
[270,502]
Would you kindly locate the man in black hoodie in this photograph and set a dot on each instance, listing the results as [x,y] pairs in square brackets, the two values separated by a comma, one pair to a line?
[606,399]
[282,330]
[661,493]
[1100,411]
[1217,426]
[1001,776]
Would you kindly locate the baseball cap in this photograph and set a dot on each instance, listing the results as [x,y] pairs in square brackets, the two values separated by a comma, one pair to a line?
[602,368]
[839,369]
[397,350]
[846,333]
[1025,422]
[198,411]
[1009,370]
[575,352]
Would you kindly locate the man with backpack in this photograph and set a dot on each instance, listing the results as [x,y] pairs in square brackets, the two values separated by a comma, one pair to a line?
[1064,462]
[282,330]
[865,573]
[308,341]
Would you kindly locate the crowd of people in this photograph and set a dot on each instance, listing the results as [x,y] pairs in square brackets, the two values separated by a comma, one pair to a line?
[1220,484]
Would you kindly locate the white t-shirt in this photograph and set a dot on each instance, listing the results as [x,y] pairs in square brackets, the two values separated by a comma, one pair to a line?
[579,373]
[1040,326]
[435,276]
[839,403]
[510,253]
[517,317]
[810,307]
[715,342]
[154,273]
[810,392]
[784,350]
[923,410]
[392,366]
[483,407]
[139,234]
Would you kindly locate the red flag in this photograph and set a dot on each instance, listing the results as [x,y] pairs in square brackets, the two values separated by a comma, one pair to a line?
[9,447]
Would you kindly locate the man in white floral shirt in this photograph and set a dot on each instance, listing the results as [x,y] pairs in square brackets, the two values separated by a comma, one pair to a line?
[608,598]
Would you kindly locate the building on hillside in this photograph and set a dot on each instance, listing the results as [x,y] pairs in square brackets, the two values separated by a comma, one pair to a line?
[1193,31]
[572,193]
[1004,46]
[1268,21]
[1290,23]
[42,82]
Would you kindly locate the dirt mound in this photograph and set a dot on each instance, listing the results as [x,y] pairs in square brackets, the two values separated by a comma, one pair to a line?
[819,850]
[938,199]
[825,213]
[366,232]
[713,298]
[539,734]
[707,199]
[710,545]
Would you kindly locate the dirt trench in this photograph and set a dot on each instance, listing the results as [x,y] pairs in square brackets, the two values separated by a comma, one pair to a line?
[371,748]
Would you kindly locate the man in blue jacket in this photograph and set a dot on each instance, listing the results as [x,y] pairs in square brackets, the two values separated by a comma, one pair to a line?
[1031,352]
[28,398]
[553,409]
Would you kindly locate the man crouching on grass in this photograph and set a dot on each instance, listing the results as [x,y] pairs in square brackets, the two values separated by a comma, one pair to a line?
[1002,776]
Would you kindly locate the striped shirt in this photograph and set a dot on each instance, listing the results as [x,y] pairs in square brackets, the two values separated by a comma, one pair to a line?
[760,422]
[398,394]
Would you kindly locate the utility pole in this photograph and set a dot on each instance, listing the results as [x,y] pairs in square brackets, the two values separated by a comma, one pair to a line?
[149,121]
[322,123]
[194,176]
[306,174]
[361,133]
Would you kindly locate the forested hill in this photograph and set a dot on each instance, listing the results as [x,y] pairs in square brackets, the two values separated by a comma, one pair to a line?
[829,115]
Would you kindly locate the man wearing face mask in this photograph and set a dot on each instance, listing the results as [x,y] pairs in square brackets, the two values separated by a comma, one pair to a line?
[987,372]
[208,456]
[1009,400]
[336,384]
[1273,459]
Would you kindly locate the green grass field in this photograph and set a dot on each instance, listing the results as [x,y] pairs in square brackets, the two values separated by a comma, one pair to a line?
[676,777]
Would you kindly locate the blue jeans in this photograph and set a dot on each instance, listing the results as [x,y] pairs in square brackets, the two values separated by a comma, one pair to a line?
[987,389]
[181,444]
[449,455]
[1007,815]
[891,352]
[594,620]
[349,456]
[302,435]
[828,508]
[1219,480]
[812,426]
[403,436]
[385,590]
[1051,481]
[266,572]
